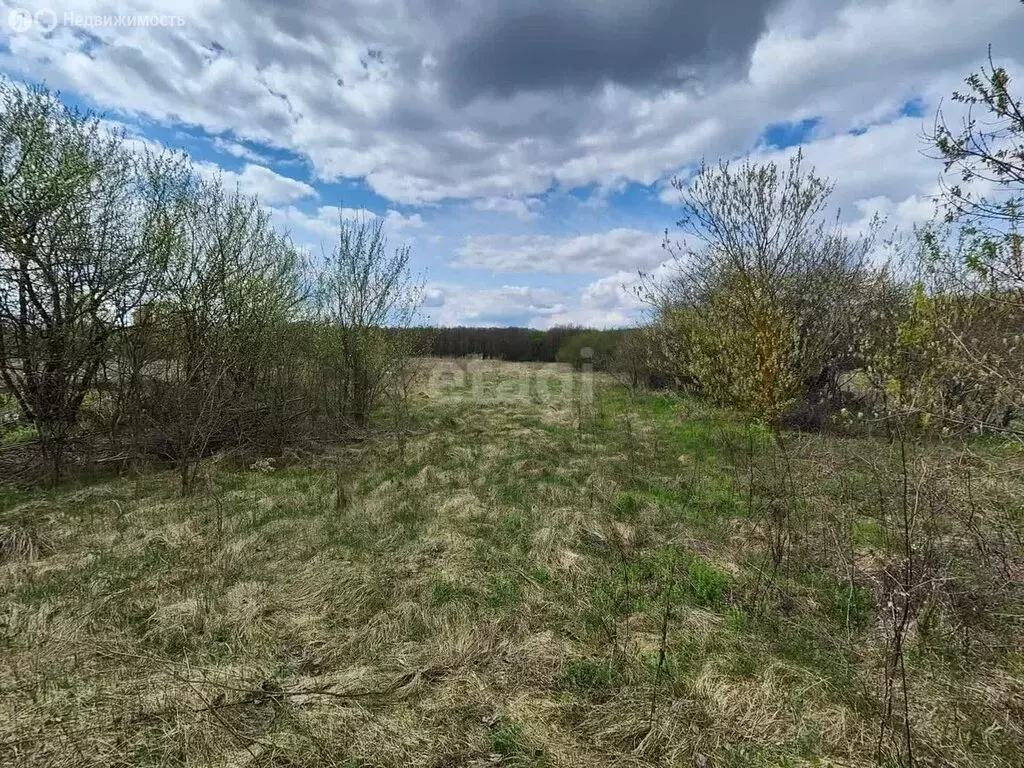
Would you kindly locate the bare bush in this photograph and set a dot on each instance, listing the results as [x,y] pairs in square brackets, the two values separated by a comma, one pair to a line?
[366,297]
[230,287]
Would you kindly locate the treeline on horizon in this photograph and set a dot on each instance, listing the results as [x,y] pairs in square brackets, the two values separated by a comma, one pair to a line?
[521,345]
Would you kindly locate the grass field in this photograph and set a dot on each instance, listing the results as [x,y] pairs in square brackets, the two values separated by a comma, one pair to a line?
[548,571]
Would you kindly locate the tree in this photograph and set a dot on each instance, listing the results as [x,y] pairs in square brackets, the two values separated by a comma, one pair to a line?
[591,348]
[229,289]
[972,272]
[987,155]
[366,297]
[764,294]
[80,225]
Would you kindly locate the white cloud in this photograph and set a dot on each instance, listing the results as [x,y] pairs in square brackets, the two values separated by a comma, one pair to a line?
[861,165]
[433,297]
[866,179]
[304,80]
[902,216]
[238,150]
[320,228]
[322,224]
[399,223]
[610,302]
[615,301]
[269,186]
[360,90]
[615,292]
[598,252]
[453,304]
[525,209]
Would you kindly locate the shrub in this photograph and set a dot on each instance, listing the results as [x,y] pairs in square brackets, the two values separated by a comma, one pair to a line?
[760,309]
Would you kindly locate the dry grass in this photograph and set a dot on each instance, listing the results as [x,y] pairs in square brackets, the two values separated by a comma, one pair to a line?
[21,543]
[498,598]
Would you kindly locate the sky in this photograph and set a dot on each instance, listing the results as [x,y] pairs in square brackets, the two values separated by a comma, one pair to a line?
[523,149]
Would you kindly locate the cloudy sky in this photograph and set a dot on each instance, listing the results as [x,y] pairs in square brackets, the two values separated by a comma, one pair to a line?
[524,148]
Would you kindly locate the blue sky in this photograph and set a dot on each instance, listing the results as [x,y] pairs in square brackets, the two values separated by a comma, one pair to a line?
[524,149]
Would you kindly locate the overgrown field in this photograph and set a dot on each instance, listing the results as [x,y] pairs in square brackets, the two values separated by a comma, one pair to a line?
[546,571]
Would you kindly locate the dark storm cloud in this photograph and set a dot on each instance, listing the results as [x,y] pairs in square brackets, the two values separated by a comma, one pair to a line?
[580,44]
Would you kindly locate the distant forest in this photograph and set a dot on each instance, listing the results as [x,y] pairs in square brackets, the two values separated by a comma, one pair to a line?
[559,344]
[514,344]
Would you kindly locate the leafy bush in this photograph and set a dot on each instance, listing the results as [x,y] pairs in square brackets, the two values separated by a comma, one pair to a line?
[764,300]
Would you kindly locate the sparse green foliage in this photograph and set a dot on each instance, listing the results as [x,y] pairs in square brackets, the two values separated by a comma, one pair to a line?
[953,359]
[589,676]
[706,583]
[366,298]
[760,310]
[594,349]
[507,739]
[219,314]
[81,233]
[986,151]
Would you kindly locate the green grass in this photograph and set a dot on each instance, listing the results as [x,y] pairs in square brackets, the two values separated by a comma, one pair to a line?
[627,504]
[706,583]
[589,677]
[507,739]
[18,434]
